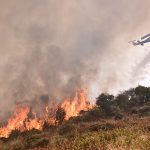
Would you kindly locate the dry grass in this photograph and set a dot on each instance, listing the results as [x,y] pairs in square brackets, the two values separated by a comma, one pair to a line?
[133,134]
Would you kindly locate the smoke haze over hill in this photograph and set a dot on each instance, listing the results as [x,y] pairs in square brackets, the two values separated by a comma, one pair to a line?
[55,47]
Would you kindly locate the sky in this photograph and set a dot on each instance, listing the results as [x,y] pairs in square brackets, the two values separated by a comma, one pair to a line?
[55,47]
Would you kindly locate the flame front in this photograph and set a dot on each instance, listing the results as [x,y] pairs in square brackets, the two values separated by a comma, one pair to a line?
[21,121]
[79,102]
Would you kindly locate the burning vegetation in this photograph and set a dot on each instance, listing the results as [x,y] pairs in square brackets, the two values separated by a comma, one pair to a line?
[115,122]
[24,119]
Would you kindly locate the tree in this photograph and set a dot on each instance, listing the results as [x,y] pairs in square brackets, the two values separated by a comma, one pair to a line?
[122,100]
[143,93]
[105,102]
[104,99]
[60,115]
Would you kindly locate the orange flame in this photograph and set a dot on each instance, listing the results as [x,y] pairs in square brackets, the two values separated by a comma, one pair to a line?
[15,123]
[79,102]
[21,121]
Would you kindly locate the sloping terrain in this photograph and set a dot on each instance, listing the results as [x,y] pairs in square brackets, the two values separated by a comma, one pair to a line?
[100,135]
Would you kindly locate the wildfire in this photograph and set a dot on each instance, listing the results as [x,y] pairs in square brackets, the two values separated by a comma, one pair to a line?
[22,122]
[79,102]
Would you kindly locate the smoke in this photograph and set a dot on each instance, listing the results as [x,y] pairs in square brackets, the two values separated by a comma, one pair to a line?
[54,47]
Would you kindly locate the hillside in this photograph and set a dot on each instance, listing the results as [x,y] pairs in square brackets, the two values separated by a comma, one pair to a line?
[119,122]
[99,135]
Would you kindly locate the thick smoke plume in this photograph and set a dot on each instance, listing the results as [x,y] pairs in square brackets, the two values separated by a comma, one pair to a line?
[56,46]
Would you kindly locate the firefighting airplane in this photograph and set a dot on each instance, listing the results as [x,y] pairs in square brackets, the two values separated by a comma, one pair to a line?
[142,41]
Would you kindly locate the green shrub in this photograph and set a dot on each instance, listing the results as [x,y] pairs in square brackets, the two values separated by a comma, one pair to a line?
[14,134]
[90,115]
[134,110]
[144,109]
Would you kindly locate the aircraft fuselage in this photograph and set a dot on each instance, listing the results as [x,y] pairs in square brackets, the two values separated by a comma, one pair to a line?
[142,40]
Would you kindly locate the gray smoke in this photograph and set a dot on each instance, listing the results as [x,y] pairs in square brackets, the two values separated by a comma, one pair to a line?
[57,46]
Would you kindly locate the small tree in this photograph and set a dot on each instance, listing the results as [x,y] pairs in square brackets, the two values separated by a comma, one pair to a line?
[104,99]
[122,101]
[143,93]
[60,115]
[105,102]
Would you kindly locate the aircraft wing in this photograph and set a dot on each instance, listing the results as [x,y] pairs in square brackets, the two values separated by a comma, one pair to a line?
[148,35]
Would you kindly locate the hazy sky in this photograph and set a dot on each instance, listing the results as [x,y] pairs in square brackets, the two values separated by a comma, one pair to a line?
[57,46]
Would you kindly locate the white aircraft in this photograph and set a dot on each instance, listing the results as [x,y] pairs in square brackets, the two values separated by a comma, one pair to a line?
[142,40]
